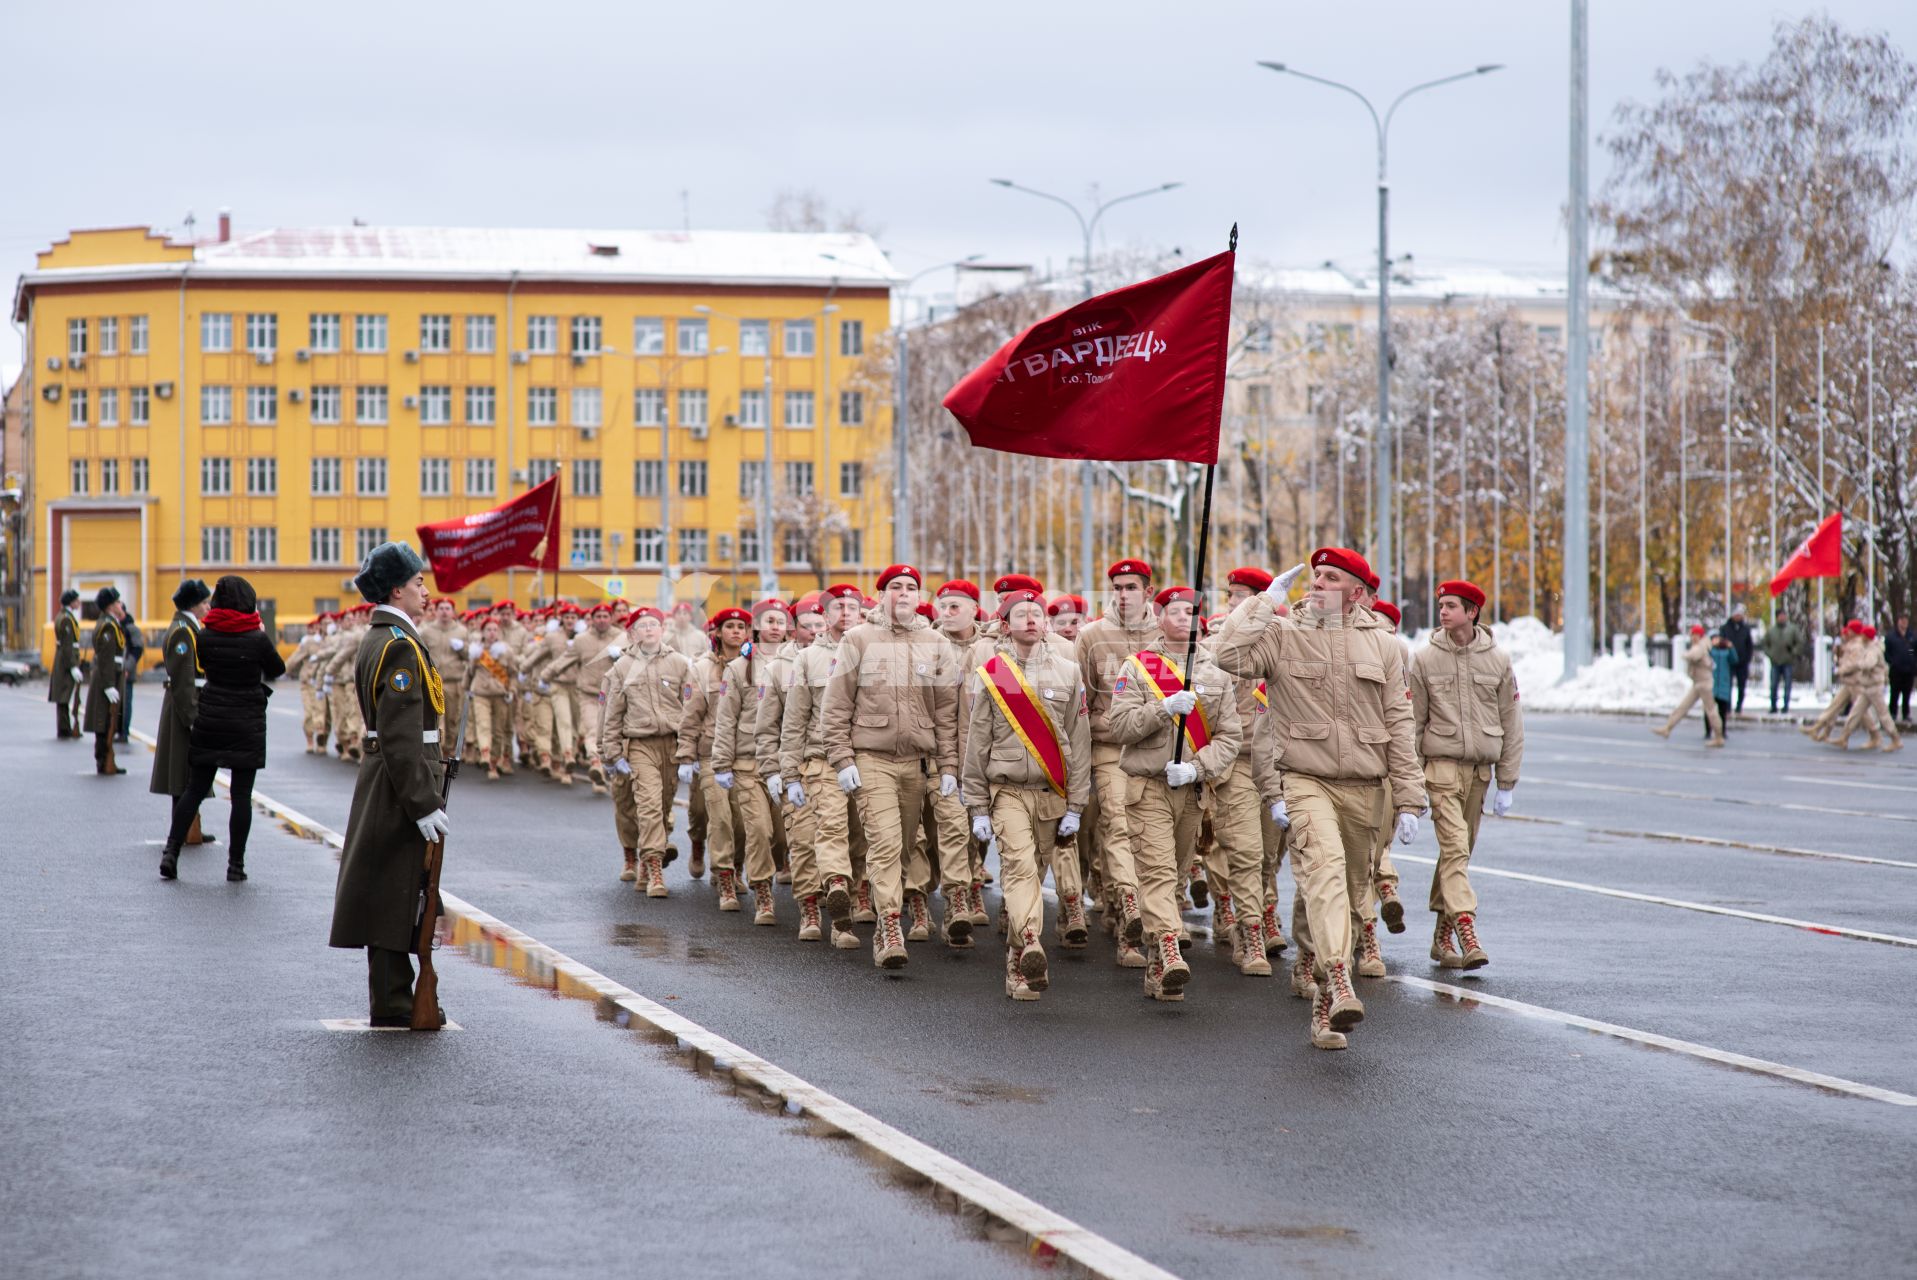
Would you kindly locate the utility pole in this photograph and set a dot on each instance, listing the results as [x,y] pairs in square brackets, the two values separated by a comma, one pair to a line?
[1577,524]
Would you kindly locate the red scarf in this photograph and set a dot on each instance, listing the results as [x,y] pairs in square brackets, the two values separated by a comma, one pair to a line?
[231,621]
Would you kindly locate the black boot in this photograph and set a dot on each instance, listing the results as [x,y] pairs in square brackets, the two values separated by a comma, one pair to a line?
[170,863]
[236,865]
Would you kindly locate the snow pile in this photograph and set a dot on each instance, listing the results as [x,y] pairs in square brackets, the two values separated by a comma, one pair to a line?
[1611,683]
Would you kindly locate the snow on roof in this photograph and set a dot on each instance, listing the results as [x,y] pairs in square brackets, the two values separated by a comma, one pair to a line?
[1419,281]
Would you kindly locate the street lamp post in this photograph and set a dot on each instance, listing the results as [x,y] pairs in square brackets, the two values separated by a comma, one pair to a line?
[1086,226]
[1381,446]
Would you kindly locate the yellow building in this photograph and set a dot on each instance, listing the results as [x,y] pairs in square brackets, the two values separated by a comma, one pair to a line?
[276,404]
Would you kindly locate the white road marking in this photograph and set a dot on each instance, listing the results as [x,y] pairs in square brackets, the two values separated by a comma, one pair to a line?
[1797,1075]
[1830,930]
[1737,800]
[1824,755]
[1845,782]
[1719,842]
[1613,762]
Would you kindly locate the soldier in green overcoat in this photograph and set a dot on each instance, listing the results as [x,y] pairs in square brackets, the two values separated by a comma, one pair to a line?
[64,681]
[398,796]
[180,656]
[108,680]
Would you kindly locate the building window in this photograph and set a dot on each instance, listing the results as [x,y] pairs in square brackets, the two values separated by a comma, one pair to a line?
[585,477]
[692,546]
[263,405]
[588,406]
[755,337]
[216,331]
[587,547]
[136,336]
[851,337]
[752,408]
[216,476]
[542,334]
[852,408]
[216,406]
[262,544]
[435,406]
[324,547]
[138,480]
[139,406]
[692,337]
[793,548]
[1258,337]
[326,477]
[369,334]
[585,336]
[262,477]
[751,478]
[542,406]
[369,477]
[435,333]
[481,334]
[369,405]
[798,408]
[109,406]
[798,478]
[852,547]
[799,339]
[77,478]
[109,475]
[692,479]
[749,544]
[435,477]
[76,339]
[481,406]
[322,331]
[851,479]
[481,477]
[262,332]
[649,407]
[77,406]
[326,404]
[216,543]
[109,335]
[540,470]
[366,540]
[692,407]
[648,336]
[648,477]
[649,547]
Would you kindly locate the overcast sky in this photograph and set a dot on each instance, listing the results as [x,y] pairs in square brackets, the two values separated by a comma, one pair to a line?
[572,114]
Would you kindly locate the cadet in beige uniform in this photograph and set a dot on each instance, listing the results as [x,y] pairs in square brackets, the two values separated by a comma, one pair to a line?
[1027,772]
[694,753]
[824,818]
[646,691]
[1335,679]
[305,665]
[494,688]
[1697,664]
[735,759]
[1382,898]
[802,868]
[1843,657]
[341,701]
[597,648]
[1464,702]
[890,721]
[546,666]
[945,832]
[1869,672]
[445,637]
[688,635]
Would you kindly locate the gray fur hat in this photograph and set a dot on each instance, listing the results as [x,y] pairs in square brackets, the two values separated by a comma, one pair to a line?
[391,565]
[191,592]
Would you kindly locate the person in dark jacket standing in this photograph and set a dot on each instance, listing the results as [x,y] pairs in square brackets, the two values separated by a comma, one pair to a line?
[1783,646]
[1738,632]
[64,681]
[180,658]
[398,794]
[1900,652]
[106,686]
[229,725]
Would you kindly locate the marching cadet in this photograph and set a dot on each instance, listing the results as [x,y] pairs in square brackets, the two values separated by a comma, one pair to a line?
[1382,896]
[944,833]
[824,817]
[1870,710]
[445,637]
[1697,662]
[493,691]
[1065,615]
[1843,657]
[734,757]
[305,666]
[802,868]
[890,719]
[1464,705]
[1102,648]
[1148,697]
[597,647]
[1261,744]
[1027,772]
[180,657]
[544,666]
[1335,679]
[342,706]
[108,676]
[646,690]
[694,752]
[65,681]
[688,635]
[398,797]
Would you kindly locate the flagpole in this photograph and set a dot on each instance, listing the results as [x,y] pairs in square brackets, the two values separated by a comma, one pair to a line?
[552,550]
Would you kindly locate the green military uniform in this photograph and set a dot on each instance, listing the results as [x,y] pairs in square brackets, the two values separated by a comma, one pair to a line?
[181,702]
[62,689]
[109,672]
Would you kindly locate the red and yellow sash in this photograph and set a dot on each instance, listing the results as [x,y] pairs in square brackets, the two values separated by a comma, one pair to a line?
[1264,698]
[1163,678]
[1022,711]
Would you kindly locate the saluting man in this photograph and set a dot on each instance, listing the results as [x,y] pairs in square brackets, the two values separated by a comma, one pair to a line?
[398,797]
[108,676]
[65,682]
[180,704]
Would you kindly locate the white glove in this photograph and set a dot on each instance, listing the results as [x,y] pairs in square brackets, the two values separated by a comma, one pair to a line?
[724,779]
[1179,704]
[579,626]
[614,650]
[1280,588]
[552,624]
[326,685]
[545,686]
[948,785]
[982,829]
[775,784]
[795,794]
[499,650]
[1407,828]
[456,645]
[622,766]
[75,673]
[572,641]
[1180,773]
[1068,825]
[686,774]
[113,696]
[309,638]
[434,825]
[1502,803]
[1279,816]
[849,779]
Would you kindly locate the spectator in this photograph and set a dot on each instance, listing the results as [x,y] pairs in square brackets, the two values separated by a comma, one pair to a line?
[1900,652]
[1783,646]
[1738,632]
[1723,670]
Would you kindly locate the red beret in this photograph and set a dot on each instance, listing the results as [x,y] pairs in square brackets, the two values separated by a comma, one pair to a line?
[807,603]
[1697,629]
[1346,559]
[1138,567]
[1249,576]
[925,610]
[770,605]
[957,587]
[645,611]
[1018,582]
[1016,596]
[1066,604]
[1869,632]
[1389,610]
[868,602]
[729,615]
[1470,592]
[899,571]
[604,606]
[1171,594]
[839,591]
[1855,626]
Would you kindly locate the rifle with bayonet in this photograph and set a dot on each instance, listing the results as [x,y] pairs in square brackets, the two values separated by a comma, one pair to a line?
[426,986]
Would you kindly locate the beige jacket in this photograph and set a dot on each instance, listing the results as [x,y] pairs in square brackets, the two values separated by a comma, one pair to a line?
[645,698]
[691,641]
[1465,704]
[438,638]
[484,683]
[995,755]
[549,660]
[596,655]
[703,690]
[1102,646]
[769,724]
[893,693]
[1258,746]
[1338,692]
[1138,720]
[1697,663]
[735,720]
[801,721]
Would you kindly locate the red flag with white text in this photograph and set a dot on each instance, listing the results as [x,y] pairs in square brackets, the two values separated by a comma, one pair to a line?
[1137,374]
[1819,556]
[510,535]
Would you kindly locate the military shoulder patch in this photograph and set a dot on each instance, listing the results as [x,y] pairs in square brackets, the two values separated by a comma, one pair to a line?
[401,681]
[180,648]
[399,632]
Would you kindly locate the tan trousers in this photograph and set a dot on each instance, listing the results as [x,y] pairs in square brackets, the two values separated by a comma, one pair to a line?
[1025,820]
[648,792]
[1691,695]
[1068,875]
[492,725]
[343,708]
[522,710]
[1333,833]
[752,814]
[313,710]
[1155,811]
[455,699]
[1274,838]
[1871,713]
[592,717]
[832,827]
[1456,792]
[1237,858]
[1383,870]
[552,726]
[696,824]
[945,839]
[1840,702]
[890,794]
[1118,858]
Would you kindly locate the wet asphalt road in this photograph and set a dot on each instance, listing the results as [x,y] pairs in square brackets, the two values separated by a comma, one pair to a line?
[1452,1138]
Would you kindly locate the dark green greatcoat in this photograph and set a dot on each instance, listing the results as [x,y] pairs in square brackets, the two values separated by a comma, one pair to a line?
[184,677]
[109,672]
[399,783]
[66,656]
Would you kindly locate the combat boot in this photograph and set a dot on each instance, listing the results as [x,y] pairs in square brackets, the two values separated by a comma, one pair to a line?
[1072,930]
[763,910]
[975,903]
[1249,953]
[1303,984]
[1130,955]
[1322,1035]
[1131,923]
[1224,920]
[844,939]
[1166,972]
[958,922]
[862,912]
[888,942]
[1442,950]
[1347,1010]
[696,868]
[810,929]
[1016,986]
[728,889]
[1467,926]
[920,916]
[597,772]
[655,882]
[1200,887]
[1370,962]
[1274,936]
[1390,908]
[631,873]
[1031,962]
[838,901]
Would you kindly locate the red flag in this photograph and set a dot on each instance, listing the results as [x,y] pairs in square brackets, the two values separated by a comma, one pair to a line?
[1819,556]
[467,549]
[1132,375]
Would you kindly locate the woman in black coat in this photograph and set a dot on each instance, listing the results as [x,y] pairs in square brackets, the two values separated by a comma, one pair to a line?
[229,729]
